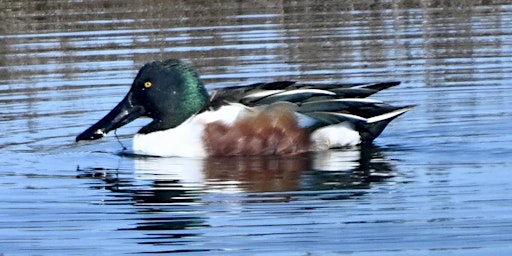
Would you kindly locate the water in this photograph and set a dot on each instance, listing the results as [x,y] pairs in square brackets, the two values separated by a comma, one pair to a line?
[435,182]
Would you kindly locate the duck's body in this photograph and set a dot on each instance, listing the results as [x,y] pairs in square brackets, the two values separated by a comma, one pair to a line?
[279,118]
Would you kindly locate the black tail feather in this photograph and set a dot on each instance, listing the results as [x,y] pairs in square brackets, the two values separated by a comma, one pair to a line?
[371,130]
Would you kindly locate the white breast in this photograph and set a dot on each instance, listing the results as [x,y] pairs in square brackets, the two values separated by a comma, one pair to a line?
[184,140]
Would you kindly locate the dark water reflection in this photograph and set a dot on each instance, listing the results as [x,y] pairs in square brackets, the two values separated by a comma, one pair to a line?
[436,181]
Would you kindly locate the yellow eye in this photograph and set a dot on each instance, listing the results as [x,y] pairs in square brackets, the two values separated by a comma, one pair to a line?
[148,84]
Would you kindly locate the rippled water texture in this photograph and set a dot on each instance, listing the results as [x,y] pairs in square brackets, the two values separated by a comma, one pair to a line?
[436,181]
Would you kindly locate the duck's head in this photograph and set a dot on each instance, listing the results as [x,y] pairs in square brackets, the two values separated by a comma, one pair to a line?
[169,92]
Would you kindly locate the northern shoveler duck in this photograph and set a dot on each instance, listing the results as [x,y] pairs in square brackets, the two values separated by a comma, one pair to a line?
[277,118]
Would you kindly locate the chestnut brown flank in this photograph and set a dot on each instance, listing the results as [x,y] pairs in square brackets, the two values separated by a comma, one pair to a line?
[270,132]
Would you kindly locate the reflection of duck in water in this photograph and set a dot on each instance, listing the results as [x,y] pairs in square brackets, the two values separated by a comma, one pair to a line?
[178,193]
[279,118]
[334,169]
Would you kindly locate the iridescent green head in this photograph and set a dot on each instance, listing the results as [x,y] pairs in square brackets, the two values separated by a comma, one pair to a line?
[168,91]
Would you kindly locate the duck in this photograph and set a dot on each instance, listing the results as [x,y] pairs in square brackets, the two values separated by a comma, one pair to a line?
[267,118]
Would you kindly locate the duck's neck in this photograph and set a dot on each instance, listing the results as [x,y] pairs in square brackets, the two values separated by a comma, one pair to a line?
[197,101]
[192,96]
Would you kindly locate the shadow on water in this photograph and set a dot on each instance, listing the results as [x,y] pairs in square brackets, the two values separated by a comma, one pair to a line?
[166,192]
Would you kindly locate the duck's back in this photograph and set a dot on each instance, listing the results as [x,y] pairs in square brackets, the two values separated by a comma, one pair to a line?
[320,105]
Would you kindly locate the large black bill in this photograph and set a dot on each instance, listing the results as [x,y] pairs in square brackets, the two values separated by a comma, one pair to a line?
[122,114]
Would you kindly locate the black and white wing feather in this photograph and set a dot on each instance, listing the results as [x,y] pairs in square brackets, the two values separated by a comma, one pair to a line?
[323,104]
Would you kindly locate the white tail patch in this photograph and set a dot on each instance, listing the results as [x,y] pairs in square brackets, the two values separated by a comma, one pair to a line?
[336,135]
